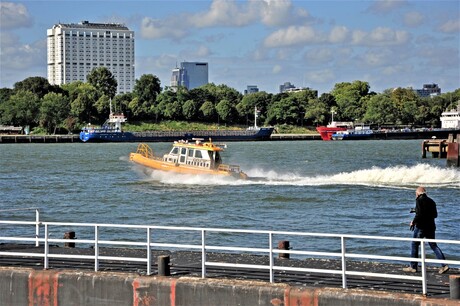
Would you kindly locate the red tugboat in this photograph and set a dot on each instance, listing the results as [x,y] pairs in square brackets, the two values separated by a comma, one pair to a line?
[326,131]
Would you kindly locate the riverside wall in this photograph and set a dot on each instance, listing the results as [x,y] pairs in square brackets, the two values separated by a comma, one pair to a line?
[24,286]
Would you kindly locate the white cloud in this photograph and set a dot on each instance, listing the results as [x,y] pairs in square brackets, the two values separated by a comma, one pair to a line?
[277,69]
[319,56]
[413,19]
[320,76]
[380,36]
[225,13]
[291,36]
[13,15]
[280,12]
[338,34]
[386,6]
[450,26]
[154,28]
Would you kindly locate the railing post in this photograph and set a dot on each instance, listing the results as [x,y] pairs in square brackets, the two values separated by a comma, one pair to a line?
[423,257]
[37,227]
[149,253]
[270,243]
[203,254]
[96,248]
[45,260]
[344,263]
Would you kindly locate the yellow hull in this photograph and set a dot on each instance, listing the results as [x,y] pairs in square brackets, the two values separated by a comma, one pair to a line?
[159,164]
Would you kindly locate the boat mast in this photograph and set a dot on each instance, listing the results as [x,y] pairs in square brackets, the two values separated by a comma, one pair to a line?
[255,117]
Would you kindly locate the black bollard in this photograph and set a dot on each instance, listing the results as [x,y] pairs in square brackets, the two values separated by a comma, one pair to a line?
[283,245]
[454,284]
[163,265]
[69,235]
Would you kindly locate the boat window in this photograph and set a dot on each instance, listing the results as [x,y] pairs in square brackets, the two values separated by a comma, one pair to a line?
[175,151]
[198,154]
[190,152]
[183,155]
[218,159]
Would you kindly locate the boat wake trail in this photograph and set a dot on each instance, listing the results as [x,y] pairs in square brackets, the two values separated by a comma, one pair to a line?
[395,177]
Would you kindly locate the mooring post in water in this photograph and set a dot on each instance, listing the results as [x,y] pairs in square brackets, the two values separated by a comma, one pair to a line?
[163,265]
[283,245]
[453,151]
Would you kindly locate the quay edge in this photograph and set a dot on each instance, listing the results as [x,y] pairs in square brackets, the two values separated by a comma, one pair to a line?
[25,286]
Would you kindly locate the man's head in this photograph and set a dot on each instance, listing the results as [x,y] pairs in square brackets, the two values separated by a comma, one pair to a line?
[420,190]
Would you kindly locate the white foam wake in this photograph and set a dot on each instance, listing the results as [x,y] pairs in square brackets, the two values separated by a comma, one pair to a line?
[396,176]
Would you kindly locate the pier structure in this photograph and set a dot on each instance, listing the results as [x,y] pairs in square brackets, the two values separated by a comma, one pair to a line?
[5,138]
[41,268]
[444,148]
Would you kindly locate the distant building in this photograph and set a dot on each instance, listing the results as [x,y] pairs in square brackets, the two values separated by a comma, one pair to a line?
[251,89]
[190,75]
[286,86]
[77,48]
[428,90]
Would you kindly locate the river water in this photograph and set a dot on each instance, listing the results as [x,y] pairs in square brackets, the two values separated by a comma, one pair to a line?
[355,187]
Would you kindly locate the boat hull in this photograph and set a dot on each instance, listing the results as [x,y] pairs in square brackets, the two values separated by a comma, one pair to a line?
[218,135]
[327,132]
[158,164]
[400,135]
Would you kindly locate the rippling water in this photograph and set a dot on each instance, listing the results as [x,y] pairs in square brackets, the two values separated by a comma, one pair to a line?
[357,187]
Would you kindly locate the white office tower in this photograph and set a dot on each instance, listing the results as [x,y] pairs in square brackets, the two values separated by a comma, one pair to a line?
[77,48]
[190,75]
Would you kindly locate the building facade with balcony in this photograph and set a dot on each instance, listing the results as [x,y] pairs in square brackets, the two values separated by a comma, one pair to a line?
[75,49]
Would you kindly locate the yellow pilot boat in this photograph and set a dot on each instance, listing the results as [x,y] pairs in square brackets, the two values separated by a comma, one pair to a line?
[188,158]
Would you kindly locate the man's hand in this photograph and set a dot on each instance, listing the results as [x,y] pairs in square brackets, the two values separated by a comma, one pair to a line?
[411,226]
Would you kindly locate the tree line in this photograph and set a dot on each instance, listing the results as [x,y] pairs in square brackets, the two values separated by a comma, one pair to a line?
[52,108]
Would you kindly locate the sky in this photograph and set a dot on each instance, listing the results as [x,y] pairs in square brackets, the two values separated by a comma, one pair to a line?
[313,44]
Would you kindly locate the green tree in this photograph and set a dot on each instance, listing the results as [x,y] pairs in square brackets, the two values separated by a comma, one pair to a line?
[350,98]
[21,109]
[54,110]
[381,110]
[317,112]
[37,85]
[102,79]
[225,110]
[146,89]
[83,106]
[207,111]
[189,109]
[245,108]
[405,100]
[120,103]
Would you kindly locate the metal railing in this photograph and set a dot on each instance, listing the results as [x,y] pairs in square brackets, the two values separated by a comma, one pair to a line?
[201,235]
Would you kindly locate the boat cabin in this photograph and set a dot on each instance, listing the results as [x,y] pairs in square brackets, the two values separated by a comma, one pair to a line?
[202,155]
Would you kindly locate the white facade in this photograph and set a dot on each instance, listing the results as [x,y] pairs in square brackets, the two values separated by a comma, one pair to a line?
[451,119]
[76,49]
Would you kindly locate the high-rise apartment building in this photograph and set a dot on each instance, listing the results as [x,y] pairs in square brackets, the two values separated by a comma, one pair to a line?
[190,75]
[77,48]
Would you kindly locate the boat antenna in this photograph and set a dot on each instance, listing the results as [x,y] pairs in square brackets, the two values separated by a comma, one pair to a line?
[110,106]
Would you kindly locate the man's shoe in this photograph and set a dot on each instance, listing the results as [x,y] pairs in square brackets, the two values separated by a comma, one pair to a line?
[444,269]
[412,270]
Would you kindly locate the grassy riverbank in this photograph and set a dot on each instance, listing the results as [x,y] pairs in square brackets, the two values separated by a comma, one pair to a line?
[194,126]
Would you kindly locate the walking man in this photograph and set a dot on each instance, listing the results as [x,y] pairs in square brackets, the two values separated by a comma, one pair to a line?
[424,226]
